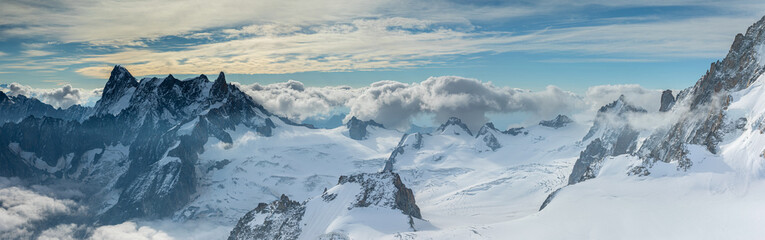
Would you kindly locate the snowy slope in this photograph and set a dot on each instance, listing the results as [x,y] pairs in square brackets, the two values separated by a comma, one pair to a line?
[719,197]
[361,206]
[459,181]
[295,161]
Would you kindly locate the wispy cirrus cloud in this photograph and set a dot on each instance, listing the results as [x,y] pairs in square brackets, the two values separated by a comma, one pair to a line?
[37,53]
[276,37]
[393,43]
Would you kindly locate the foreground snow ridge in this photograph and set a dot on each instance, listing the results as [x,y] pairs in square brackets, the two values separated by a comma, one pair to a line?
[376,203]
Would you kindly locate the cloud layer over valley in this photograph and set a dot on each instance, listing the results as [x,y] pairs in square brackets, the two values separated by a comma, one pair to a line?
[397,104]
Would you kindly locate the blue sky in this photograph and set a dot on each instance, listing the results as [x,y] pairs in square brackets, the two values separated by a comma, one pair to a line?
[523,44]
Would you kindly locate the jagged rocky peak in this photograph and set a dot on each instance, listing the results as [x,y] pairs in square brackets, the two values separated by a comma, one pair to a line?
[667,101]
[357,129]
[454,126]
[620,106]
[220,86]
[120,75]
[3,97]
[117,92]
[611,136]
[708,99]
[603,124]
[383,189]
[557,122]
[742,65]
[487,136]
[276,220]
[119,80]
[487,128]
[287,219]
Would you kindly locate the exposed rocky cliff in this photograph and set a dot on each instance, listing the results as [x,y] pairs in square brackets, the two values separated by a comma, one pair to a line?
[557,122]
[357,129]
[706,102]
[286,219]
[454,126]
[154,129]
[667,101]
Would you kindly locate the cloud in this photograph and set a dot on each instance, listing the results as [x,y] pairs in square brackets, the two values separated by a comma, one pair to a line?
[63,97]
[694,37]
[274,36]
[3,54]
[395,104]
[191,229]
[263,30]
[60,232]
[297,102]
[22,208]
[104,22]
[36,53]
[648,99]
[365,44]
[128,230]
[46,212]
[394,43]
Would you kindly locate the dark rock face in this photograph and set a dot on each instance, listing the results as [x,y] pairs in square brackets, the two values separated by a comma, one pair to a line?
[588,162]
[282,221]
[613,136]
[145,117]
[558,122]
[372,194]
[667,101]
[549,199]
[120,85]
[516,131]
[357,129]
[453,121]
[486,133]
[486,128]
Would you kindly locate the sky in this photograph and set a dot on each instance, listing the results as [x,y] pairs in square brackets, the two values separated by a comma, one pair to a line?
[531,45]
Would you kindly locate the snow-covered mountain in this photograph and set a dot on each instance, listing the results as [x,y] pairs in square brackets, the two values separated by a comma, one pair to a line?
[16,108]
[361,206]
[140,144]
[201,150]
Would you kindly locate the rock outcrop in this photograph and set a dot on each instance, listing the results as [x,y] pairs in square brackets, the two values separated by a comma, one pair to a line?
[454,126]
[667,101]
[287,219]
[707,100]
[487,134]
[158,127]
[557,122]
[357,129]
